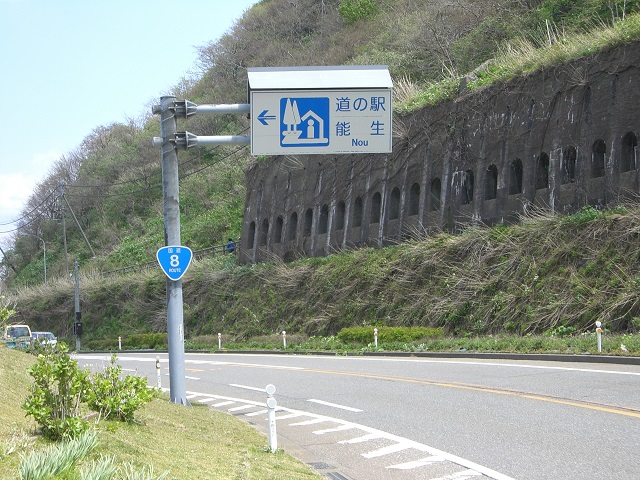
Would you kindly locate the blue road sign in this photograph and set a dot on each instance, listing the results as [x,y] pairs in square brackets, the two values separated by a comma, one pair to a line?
[174,261]
[321,122]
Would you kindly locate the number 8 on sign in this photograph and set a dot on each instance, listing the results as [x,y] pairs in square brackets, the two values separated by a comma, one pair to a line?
[174,261]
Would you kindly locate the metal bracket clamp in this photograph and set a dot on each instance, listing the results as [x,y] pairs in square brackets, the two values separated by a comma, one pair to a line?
[185,108]
[186,139]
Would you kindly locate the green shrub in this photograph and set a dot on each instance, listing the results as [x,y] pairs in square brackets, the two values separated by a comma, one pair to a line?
[388,334]
[57,393]
[116,398]
[145,341]
[561,331]
[353,10]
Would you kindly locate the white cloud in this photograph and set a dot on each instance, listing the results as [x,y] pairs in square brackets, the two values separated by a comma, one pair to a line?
[18,183]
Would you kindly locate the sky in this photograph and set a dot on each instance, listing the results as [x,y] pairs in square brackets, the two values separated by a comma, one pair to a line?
[70,66]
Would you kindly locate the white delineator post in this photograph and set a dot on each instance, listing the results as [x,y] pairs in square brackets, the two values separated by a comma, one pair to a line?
[219,341]
[119,343]
[375,336]
[599,335]
[158,373]
[284,339]
[271,405]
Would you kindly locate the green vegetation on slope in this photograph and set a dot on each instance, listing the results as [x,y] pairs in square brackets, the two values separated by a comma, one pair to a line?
[112,180]
[519,280]
[188,442]
[547,273]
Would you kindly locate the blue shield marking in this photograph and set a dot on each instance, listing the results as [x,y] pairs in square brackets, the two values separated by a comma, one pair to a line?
[174,261]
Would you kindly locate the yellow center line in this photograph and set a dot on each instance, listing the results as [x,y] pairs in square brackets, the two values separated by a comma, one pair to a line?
[630,412]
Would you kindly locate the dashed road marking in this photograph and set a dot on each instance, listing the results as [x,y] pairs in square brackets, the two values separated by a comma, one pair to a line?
[240,408]
[364,438]
[423,462]
[247,387]
[399,445]
[335,405]
[308,422]
[459,475]
[339,428]
[257,413]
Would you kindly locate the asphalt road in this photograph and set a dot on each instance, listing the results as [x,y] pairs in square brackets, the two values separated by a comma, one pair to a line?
[364,418]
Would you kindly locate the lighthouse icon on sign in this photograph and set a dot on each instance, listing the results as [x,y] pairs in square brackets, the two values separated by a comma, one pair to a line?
[308,129]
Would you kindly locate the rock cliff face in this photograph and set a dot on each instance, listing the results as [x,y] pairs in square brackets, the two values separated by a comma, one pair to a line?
[557,139]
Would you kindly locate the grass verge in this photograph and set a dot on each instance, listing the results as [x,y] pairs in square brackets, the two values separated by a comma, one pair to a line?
[188,442]
[580,344]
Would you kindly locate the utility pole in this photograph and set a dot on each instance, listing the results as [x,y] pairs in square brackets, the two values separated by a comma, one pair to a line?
[77,325]
[64,232]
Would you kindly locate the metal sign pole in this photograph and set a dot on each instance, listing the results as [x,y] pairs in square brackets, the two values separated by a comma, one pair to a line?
[171,203]
[175,258]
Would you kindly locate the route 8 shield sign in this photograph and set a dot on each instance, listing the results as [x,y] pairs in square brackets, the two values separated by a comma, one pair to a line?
[174,261]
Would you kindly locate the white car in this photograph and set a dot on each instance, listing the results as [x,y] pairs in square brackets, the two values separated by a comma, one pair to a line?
[44,338]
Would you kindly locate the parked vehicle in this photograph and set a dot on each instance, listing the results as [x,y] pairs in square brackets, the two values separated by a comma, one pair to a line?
[18,336]
[44,338]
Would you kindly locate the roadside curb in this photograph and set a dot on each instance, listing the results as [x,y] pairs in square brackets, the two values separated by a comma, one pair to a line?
[543,357]
[547,357]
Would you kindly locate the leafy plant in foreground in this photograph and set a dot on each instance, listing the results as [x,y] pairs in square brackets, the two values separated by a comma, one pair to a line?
[57,394]
[58,458]
[116,398]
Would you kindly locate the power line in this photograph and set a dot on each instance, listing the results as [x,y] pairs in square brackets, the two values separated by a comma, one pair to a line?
[140,179]
[132,192]
[152,187]
[27,214]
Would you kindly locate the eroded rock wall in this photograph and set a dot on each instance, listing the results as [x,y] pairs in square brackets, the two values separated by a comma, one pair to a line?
[557,139]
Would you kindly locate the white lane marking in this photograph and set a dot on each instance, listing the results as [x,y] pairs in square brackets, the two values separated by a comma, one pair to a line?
[365,359]
[240,408]
[243,364]
[459,475]
[189,397]
[423,462]
[340,428]
[247,387]
[474,469]
[206,400]
[308,422]
[363,438]
[222,404]
[287,416]
[482,364]
[189,361]
[335,405]
[398,447]
[255,414]
[191,378]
